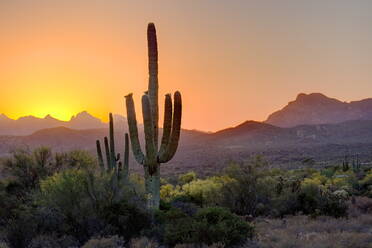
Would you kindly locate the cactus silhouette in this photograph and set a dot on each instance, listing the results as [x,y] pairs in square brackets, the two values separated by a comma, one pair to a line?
[154,155]
[356,164]
[112,159]
[345,164]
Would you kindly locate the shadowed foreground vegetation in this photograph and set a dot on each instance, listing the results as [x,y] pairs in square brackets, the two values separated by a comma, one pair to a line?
[66,200]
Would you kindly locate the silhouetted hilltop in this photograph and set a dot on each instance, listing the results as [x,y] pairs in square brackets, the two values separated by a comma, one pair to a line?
[247,127]
[306,109]
[317,108]
[84,120]
[28,124]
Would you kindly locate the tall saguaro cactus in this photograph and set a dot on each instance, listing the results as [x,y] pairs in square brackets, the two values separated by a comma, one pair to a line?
[113,159]
[154,156]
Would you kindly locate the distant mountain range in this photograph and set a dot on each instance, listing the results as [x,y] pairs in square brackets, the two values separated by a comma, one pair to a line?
[313,126]
[317,108]
[207,153]
[30,124]
[306,109]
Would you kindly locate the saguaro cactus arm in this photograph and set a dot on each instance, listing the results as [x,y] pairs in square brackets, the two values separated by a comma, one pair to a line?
[176,130]
[151,151]
[112,142]
[152,45]
[126,156]
[133,130]
[99,154]
[167,124]
[107,150]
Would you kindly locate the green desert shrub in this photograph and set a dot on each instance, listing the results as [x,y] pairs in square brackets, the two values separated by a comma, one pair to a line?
[29,167]
[203,192]
[187,177]
[314,199]
[94,204]
[125,219]
[33,225]
[66,191]
[207,226]
[18,232]
[366,184]
[79,159]
[23,168]
[250,185]
[216,224]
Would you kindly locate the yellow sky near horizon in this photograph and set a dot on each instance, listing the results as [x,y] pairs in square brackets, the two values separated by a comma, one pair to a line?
[232,60]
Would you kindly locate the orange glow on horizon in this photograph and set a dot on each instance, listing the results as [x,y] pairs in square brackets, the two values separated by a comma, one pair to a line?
[232,61]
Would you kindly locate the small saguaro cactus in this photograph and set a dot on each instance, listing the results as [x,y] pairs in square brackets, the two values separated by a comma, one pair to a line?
[112,159]
[345,164]
[154,155]
[356,164]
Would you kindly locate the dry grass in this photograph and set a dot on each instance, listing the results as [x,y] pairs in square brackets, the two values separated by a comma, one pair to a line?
[143,243]
[322,232]
[217,245]
[306,232]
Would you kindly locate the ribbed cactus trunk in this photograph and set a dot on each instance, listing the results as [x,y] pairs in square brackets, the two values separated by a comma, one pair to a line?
[152,186]
[153,156]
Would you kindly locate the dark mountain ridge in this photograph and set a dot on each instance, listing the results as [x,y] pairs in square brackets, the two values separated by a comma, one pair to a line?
[311,126]
[208,152]
[316,108]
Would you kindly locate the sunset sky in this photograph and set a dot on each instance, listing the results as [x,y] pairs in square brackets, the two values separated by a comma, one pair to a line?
[232,60]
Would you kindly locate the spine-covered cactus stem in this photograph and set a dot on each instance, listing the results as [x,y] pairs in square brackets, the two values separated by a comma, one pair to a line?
[154,156]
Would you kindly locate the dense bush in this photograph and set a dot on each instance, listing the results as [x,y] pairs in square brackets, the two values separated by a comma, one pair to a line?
[215,225]
[124,219]
[66,191]
[207,226]
[248,188]
[204,192]
[313,199]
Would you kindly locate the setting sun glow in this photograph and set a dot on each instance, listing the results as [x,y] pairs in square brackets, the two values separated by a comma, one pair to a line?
[232,60]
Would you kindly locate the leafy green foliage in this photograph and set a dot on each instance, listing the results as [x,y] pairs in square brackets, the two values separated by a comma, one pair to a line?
[66,191]
[207,226]
[187,178]
[125,219]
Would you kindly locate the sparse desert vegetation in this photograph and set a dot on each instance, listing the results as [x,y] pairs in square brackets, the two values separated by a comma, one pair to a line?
[65,200]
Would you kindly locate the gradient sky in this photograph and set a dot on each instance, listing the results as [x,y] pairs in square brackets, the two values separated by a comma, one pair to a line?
[232,60]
